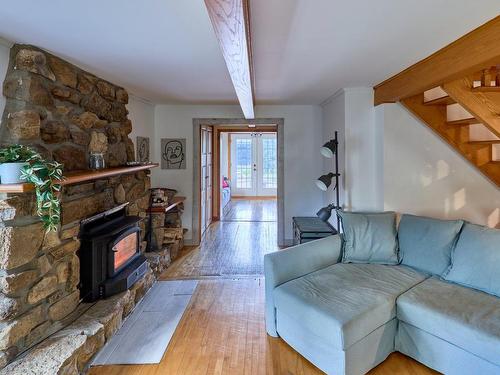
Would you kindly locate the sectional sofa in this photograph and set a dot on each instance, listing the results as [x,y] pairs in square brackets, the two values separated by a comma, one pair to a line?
[429,289]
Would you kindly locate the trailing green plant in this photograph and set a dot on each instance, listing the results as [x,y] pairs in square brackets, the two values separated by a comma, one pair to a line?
[45,175]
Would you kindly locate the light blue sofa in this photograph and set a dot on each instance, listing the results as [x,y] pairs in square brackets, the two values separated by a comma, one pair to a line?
[346,318]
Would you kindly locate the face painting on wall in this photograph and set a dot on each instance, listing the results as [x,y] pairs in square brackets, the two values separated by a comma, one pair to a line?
[173,153]
[142,149]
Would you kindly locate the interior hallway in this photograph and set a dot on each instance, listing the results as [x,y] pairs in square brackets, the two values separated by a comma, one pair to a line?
[234,247]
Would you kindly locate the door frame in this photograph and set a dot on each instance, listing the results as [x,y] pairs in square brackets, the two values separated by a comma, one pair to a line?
[235,125]
[231,130]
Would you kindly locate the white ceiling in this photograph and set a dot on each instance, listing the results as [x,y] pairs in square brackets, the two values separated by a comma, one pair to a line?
[304,50]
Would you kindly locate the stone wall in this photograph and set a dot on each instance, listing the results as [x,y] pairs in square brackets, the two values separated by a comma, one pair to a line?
[68,351]
[39,272]
[64,111]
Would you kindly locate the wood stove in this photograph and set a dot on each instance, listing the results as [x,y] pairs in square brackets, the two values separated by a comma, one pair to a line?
[110,257]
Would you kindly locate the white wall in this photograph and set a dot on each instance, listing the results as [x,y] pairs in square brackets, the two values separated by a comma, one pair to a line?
[303,136]
[4,63]
[392,161]
[425,176]
[364,154]
[142,115]
[350,112]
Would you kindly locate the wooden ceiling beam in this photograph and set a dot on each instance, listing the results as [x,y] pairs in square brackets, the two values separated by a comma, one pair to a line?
[231,22]
[474,51]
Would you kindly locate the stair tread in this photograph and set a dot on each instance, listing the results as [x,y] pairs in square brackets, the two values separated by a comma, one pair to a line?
[444,100]
[465,121]
[486,89]
[492,170]
[478,153]
[489,142]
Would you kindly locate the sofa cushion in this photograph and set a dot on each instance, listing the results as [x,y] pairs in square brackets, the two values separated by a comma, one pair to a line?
[475,262]
[464,317]
[369,237]
[343,303]
[426,243]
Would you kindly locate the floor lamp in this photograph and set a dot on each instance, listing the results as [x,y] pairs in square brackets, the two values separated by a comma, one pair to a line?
[330,150]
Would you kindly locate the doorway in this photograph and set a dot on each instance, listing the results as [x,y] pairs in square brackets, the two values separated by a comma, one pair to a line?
[249,176]
[253,164]
[271,177]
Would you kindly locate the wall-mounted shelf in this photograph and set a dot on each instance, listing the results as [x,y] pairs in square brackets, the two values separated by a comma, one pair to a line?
[175,202]
[80,176]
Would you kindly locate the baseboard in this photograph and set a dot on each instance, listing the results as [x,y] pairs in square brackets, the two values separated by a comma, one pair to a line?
[189,242]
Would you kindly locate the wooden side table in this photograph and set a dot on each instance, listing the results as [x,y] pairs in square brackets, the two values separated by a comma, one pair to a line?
[310,228]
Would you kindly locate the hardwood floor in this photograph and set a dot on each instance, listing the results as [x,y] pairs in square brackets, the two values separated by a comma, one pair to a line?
[223,332]
[223,328]
[251,210]
[228,249]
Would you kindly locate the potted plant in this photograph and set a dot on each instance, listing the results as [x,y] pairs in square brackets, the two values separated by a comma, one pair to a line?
[13,159]
[44,175]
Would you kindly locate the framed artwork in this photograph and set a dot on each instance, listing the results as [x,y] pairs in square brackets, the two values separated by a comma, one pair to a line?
[173,153]
[142,149]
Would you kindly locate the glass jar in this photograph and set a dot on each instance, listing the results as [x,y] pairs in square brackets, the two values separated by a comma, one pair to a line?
[96,160]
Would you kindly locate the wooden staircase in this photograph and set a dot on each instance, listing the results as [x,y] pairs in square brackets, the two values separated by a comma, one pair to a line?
[466,113]
[456,92]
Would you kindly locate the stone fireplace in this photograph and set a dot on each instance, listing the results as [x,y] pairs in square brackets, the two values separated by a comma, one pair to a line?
[65,113]
[63,110]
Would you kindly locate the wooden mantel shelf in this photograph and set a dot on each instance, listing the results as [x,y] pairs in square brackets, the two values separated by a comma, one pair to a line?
[175,202]
[80,176]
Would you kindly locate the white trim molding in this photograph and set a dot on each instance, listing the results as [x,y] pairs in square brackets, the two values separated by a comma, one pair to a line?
[5,42]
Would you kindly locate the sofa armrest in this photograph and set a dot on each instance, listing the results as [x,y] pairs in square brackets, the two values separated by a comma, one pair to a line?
[294,262]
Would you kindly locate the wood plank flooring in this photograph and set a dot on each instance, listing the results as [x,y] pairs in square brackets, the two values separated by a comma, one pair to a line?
[252,210]
[228,249]
[223,328]
[223,332]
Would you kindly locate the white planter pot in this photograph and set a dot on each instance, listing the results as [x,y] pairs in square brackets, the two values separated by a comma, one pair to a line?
[10,173]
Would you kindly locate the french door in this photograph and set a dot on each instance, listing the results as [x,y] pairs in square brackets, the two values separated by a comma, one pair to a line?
[206,177]
[254,166]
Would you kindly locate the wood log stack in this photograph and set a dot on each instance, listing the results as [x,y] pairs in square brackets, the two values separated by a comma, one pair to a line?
[168,233]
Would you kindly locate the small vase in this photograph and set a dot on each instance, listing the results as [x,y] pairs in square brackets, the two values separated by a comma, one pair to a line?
[96,161]
[10,173]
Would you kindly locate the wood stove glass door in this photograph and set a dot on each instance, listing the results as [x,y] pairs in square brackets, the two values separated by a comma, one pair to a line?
[123,250]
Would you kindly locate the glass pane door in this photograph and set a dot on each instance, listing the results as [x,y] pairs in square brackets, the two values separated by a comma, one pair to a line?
[267,165]
[254,164]
[206,178]
[243,164]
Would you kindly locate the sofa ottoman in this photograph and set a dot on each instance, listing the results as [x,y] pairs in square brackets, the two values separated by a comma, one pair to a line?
[342,317]
[467,318]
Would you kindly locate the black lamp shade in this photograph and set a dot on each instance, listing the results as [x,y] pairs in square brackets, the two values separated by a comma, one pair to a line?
[329,149]
[324,181]
[325,212]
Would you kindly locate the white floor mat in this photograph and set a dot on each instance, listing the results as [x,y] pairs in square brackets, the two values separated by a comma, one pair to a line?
[145,335]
